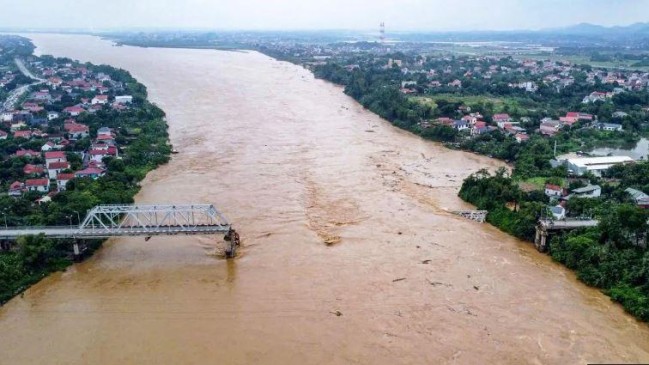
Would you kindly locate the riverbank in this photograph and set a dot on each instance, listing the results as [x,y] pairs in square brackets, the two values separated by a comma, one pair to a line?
[86,154]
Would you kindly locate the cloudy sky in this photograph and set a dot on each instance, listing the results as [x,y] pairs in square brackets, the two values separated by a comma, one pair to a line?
[320,14]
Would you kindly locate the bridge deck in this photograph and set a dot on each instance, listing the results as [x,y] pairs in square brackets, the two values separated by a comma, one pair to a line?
[77,232]
[567,224]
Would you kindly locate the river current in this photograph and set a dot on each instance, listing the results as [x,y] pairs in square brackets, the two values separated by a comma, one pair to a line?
[350,253]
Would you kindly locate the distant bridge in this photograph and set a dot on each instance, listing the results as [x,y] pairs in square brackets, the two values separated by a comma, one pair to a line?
[105,221]
[545,226]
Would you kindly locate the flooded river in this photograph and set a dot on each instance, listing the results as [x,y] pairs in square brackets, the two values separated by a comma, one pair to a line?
[295,163]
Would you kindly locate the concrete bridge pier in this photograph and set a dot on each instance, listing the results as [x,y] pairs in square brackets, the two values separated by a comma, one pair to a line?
[78,248]
[540,241]
[232,241]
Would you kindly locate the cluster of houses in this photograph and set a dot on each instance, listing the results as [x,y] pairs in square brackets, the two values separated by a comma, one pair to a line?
[37,120]
[6,78]
[559,196]
[53,176]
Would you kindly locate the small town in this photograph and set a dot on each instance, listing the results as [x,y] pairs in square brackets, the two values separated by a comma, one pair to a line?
[47,115]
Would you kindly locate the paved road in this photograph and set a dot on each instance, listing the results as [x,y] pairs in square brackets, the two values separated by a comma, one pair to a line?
[25,71]
[15,95]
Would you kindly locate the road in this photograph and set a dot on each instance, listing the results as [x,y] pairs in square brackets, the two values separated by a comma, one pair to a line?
[15,95]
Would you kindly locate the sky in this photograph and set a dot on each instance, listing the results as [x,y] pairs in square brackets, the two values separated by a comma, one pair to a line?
[399,15]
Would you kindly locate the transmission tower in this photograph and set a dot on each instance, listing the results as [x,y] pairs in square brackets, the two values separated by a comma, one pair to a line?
[382,32]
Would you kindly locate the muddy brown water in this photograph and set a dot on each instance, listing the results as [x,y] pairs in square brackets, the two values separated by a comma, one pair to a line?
[293,162]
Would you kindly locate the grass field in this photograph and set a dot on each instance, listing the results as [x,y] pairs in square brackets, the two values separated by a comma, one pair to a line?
[581,60]
[499,103]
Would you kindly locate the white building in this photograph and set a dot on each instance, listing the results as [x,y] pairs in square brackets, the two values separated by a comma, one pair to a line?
[124,99]
[596,165]
[590,191]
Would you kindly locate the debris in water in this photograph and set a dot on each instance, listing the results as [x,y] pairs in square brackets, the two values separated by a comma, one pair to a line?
[399,279]
[438,283]
[332,240]
[426,262]
[337,313]
[476,287]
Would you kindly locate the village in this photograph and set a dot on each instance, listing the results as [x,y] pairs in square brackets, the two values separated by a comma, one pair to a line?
[42,136]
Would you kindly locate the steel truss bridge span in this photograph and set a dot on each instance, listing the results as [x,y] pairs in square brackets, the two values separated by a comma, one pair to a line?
[106,221]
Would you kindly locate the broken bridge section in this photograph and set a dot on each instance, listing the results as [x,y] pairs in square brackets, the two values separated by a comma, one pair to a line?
[476,215]
[546,226]
[105,221]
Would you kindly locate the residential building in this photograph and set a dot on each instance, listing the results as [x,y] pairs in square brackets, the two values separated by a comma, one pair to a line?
[553,191]
[62,181]
[16,188]
[55,168]
[640,198]
[40,185]
[611,127]
[54,156]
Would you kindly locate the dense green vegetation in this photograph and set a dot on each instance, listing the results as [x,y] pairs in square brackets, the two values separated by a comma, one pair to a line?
[612,256]
[141,130]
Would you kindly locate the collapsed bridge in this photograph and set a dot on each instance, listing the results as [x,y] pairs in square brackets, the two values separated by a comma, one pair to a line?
[104,221]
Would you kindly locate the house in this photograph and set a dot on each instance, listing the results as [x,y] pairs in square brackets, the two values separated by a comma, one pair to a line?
[100,99]
[553,190]
[16,188]
[640,198]
[460,125]
[521,137]
[74,110]
[40,185]
[76,130]
[62,181]
[455,83]
[30,169]
[3,134]
[54,168]
[590,191]
[550,127]
[18,125]
[611,127]
[479,128]
[48,146]
[23,134]
[55,156]
[97,155]
[594,96]
[91,172]
[26,153]
[501,118]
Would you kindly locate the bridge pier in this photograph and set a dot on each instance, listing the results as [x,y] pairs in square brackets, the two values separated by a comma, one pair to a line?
[541,238]
[78,248]
[232,241]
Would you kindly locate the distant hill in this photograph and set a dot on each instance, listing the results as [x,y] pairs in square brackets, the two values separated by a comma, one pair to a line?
[587,29]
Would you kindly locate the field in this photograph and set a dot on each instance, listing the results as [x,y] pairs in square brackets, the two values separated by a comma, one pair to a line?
[499,103]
